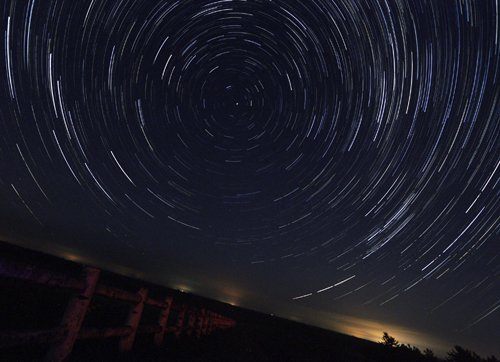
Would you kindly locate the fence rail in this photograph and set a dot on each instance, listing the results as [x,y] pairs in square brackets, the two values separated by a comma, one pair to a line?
[61,339]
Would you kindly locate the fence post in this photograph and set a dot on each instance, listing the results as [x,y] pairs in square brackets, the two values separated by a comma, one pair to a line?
[163,321]
[211,328]
[200,322]
[193,314]
[133,320]
[180,320]
[73,317]
[210,321]
[204,327]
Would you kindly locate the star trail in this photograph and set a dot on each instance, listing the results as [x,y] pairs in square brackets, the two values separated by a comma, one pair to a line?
[304,158]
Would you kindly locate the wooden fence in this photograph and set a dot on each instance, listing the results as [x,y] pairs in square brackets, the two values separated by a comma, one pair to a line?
[190,321]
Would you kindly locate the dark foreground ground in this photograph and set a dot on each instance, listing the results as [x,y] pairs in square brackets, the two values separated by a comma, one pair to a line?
[256,337]
[265,339]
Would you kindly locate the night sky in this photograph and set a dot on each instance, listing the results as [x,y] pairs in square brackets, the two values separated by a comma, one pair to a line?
[333,162]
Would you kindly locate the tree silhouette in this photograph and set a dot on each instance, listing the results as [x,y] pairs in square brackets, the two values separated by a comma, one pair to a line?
[389,341]
[492,359]
[430,356]
[460,354]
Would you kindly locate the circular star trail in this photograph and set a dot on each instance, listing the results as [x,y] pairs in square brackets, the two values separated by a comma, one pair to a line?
[350,146]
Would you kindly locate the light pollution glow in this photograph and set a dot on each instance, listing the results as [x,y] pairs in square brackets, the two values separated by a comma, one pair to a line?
[373,330]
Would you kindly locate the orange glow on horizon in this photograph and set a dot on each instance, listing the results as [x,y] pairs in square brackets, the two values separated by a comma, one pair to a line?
[373,330]
[370,329]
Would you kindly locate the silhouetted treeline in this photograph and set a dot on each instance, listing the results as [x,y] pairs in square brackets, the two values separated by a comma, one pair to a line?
[406,352]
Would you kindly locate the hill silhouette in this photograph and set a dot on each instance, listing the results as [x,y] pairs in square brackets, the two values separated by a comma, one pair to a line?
[256,336]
